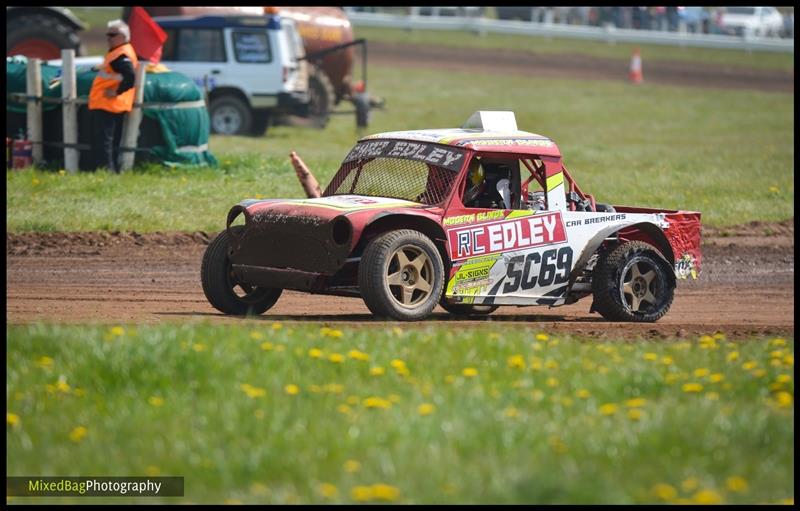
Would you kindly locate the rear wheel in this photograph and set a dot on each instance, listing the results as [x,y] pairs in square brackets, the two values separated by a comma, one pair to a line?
[401,275]
[223,290]
[633,283]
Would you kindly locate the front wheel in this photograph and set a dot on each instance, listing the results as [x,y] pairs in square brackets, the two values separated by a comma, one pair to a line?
[223,290]
[633,283]
[230,115]
[401,275]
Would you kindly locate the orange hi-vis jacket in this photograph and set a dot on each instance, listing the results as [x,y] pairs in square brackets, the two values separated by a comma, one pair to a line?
[108,79]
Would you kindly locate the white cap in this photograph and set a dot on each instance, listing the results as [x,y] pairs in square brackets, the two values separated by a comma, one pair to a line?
[121,27]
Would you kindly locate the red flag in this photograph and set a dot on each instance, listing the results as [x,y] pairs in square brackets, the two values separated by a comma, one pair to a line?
[147,38]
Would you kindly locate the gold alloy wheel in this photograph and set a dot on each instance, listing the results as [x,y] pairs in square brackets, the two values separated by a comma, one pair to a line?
[410,276]
[639,286]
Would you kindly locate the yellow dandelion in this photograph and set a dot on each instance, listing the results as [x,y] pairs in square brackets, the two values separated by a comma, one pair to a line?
[276,326]
[331,332]
[787,502]
[336,358]
[749,365]
[716,377]
[736,484]
[315,353]
[44,362]
[62,172]
[385,492]
[778,342]
[719,336]
[62,386]
[156,401]
[635,414]
[152,470]
[333,388]
[12,419]
[78,433]
[608,409]
[776,354]
[199,347]
[699,373]
[361,493]
[733,355]
[470,372]
[650,356]
[775,362]
[352,466]
[759,373]
[117,331]
[542,337]
[449,378]
[328,490]
[343,409]
[774,189]
[692,387]
[358,355]
[397,364]
[377,402]
[291,389]
[511,412]
[256,336]
[267,346]
[773,387]
[636,402]
[784,399]
[665,492]
[377,371]
[516,362]
[706,339]
[251,391]
[426,409]
[707,497]
[551,382]
[783,378]
[690,484]
[583,394]
[537,346]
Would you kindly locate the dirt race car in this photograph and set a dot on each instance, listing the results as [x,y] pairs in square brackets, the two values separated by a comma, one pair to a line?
[470,218]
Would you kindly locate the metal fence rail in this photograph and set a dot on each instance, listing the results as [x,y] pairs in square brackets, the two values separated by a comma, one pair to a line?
[608,34]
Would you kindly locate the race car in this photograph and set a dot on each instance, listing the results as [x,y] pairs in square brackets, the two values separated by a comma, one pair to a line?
[471,219]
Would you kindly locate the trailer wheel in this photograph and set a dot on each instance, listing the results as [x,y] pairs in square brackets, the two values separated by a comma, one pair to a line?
[230,115]
[322,97]
[401,275]
[222,288]
[633,282]
[41,36]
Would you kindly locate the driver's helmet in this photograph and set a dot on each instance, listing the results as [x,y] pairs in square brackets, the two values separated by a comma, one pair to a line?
[476,181]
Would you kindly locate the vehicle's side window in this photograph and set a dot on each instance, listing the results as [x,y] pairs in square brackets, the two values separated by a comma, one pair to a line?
[168,50]
[533,186]
[200,45]
[251,47]
[492,184]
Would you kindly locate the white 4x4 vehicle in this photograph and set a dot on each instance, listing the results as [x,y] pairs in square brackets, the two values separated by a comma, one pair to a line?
[251,66]
[752,21]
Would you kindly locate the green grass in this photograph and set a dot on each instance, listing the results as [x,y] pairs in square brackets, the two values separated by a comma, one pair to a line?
[544,45]
[728,154]
[534,424]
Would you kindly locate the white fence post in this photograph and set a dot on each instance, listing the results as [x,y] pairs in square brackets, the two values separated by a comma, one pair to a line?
[130,127]
[34,117]
[69,110]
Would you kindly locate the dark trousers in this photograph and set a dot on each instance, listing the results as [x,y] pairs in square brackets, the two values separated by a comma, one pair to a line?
[107,129]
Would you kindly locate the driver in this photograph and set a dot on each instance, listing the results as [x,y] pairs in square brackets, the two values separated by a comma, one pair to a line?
[476,181]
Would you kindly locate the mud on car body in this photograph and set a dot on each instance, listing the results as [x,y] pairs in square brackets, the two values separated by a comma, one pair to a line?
[471,218]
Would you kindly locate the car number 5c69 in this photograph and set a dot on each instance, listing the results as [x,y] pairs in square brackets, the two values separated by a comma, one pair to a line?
[538,269]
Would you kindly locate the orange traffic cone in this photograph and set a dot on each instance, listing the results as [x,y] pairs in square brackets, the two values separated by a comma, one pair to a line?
[636,67]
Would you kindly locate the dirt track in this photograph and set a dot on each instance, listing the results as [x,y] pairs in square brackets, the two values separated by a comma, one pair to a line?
[746,287]
[577,66]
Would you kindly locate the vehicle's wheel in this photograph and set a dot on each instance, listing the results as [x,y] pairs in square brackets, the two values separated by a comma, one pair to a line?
[223,290]
[401,275]
[321,95]
[633,282]
[41,36]
[230,116]
[465,309]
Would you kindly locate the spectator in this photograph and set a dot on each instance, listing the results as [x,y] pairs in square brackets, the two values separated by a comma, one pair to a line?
[112,94]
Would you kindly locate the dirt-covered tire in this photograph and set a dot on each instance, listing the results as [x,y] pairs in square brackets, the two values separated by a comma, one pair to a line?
[321,95]
[41,36]
[465,309]
[401,275]
[633,282]
[223,290]
[230,115]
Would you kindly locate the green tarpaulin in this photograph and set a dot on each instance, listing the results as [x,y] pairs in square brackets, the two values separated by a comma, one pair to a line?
[172,100]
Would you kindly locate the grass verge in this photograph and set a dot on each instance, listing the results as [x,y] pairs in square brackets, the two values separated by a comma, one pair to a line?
[291,413]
